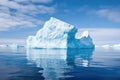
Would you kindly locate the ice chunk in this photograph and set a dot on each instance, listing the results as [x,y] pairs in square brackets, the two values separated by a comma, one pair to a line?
[106,46]
[116,46]
[14,45]
[3,45]
[58,34]
[112,46]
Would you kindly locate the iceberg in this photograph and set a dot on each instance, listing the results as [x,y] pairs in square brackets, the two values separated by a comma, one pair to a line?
[59,34]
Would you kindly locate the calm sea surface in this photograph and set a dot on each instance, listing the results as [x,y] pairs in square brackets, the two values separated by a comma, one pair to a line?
[59,64]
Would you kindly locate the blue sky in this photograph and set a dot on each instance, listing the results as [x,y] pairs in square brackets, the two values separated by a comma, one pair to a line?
[20,18]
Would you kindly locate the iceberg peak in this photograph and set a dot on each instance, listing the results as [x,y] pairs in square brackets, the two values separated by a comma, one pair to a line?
[54,19]
[85,34]
[58,34]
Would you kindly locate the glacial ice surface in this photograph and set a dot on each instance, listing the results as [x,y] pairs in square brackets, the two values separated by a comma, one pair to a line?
[58,34]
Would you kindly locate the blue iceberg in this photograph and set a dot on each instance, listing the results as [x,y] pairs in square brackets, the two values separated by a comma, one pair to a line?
[58,34]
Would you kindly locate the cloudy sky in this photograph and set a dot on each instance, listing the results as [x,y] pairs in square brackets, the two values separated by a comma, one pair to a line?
[20,18]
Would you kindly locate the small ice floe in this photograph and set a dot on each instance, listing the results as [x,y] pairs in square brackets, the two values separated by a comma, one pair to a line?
[3,45]
[13,46]
[116,46]
[106,46]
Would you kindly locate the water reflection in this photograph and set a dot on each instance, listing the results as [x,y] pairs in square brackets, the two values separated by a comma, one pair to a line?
[55,62]
[81,57]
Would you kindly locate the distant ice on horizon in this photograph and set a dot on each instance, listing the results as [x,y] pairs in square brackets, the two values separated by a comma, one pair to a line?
[108,46]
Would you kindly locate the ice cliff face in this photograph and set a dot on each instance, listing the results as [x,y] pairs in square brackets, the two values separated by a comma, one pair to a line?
[58,34]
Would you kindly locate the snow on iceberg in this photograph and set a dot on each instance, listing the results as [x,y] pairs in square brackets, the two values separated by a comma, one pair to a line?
[58,34]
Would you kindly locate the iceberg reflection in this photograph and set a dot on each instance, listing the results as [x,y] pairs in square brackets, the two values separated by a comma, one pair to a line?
[46,57]
[81,57]
[55,62]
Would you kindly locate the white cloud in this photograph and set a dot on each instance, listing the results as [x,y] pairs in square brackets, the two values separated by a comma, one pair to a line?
[34,1]
[13,14]
[7,21]
[28,9]
[113,15]
[42,1]
[23,1]
[9,41]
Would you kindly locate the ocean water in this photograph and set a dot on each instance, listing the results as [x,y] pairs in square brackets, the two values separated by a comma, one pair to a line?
[59,64]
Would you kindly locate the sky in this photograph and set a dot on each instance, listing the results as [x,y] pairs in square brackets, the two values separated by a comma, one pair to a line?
[21,18]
